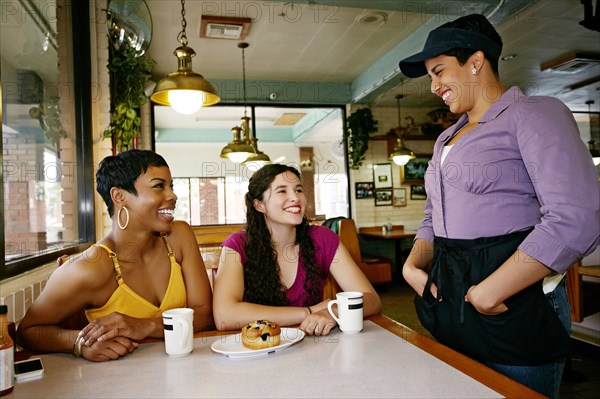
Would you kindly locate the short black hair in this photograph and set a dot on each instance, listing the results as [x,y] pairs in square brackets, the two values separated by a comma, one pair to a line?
[122,171]
[475,23]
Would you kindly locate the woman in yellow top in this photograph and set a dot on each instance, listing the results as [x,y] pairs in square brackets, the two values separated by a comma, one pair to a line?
[148,263]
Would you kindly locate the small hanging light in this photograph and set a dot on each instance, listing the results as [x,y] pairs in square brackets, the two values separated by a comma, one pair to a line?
[185,90]
[245,149]
[237,150]
[259,160]
[400,154]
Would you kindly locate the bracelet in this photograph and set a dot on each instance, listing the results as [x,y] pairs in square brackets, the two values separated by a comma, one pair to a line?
[77,346]
[309,311]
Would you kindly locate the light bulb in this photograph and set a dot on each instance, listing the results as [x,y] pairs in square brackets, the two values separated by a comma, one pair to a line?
[238,157]
[401,159]
[186,101]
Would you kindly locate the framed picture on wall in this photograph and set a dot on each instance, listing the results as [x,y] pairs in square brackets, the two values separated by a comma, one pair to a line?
[382,175]
[417,192]
[363,190]
[383,197]
[399,197]
[414,170]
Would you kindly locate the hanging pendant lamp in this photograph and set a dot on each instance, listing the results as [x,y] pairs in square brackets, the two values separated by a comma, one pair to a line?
[245,149]
[185,90]
[400,154]
[237,150]
[259,160]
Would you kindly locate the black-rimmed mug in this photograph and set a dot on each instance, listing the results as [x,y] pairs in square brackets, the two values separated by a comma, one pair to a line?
[349,311]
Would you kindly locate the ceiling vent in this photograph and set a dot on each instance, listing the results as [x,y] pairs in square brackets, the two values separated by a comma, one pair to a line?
[215,27]
[572,63]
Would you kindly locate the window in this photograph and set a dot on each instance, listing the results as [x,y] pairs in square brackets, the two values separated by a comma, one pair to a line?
[213,200]
[46,197]
[211,189]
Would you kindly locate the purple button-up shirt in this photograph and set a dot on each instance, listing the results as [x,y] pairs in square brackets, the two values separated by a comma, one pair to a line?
[523,166]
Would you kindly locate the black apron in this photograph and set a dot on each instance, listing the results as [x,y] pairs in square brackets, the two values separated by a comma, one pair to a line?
[529,333]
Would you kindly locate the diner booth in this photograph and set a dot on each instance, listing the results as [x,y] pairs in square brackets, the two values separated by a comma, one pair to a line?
[61,86]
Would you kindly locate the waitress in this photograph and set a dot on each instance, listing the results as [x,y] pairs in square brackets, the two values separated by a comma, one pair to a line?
[512,201]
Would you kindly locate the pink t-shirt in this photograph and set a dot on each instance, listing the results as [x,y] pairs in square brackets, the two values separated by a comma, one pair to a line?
[326,243]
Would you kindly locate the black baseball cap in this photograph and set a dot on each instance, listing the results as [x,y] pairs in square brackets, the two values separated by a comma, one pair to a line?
[440,40]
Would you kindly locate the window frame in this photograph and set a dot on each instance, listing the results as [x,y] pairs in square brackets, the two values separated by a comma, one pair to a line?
[252,108]
[83,127]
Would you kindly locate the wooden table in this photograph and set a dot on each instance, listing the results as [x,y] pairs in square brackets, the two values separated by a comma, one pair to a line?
[385,360]
[397,235]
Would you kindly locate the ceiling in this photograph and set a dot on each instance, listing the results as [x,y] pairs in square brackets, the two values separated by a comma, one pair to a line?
[338,52]
[335,52]
[325,42]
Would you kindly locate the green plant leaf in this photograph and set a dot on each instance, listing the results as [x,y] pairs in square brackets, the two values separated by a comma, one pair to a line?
[360,126]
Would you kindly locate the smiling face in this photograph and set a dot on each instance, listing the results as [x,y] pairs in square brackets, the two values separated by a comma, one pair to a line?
[454,83]
[284,201]
[154,204]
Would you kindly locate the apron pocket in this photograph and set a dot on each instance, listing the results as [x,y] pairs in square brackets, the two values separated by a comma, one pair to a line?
[426,312]
[528,333]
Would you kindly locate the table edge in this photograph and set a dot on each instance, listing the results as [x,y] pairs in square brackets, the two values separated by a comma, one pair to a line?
[485,375]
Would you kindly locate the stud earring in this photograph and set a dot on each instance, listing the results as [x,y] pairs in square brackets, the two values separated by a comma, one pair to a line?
[474,71]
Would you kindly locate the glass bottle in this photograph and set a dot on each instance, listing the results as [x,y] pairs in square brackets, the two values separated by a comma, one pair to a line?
[389,226]
[6,354]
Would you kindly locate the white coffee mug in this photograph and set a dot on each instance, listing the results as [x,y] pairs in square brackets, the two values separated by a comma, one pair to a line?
[350,311]
[179,331]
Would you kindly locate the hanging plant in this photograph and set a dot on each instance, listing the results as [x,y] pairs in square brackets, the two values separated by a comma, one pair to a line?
[129,72]
[360,126]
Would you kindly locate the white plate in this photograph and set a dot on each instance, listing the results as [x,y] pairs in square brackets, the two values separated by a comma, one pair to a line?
[231,345]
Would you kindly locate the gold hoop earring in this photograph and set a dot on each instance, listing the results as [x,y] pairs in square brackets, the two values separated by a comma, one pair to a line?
[474,71]
[123,227]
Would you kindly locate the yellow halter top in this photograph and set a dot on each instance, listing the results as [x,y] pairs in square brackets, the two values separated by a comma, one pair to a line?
[126,301]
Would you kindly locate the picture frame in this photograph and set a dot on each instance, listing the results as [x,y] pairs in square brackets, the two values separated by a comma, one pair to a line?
[399,198]
[363,190]
[414,170]
[383,197]
[417,192]
[382,175]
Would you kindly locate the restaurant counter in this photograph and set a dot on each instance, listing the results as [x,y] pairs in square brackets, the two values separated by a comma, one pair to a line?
[385,360]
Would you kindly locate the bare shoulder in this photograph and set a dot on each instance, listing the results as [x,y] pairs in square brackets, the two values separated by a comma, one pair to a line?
[182,235]
[90,269]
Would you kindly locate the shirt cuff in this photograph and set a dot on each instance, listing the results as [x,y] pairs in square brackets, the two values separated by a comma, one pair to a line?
[425,234]
[548,250]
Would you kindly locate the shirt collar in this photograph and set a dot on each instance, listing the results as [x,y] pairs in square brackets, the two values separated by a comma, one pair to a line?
[510,96]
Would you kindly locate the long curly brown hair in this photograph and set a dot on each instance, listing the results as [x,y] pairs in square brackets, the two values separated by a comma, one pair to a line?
[262,279]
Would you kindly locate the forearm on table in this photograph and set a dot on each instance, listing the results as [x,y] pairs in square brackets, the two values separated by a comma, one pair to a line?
[203,318]
[156,328]
[371,304]
[236,315]
[517,273]
[47,338]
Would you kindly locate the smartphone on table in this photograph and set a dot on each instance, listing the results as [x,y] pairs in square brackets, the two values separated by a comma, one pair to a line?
[29,368]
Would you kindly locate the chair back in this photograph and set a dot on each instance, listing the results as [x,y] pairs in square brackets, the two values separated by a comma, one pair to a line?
[349,237]
[331,286]
[333,223]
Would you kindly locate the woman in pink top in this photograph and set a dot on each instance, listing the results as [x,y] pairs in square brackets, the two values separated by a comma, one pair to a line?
[277,267]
